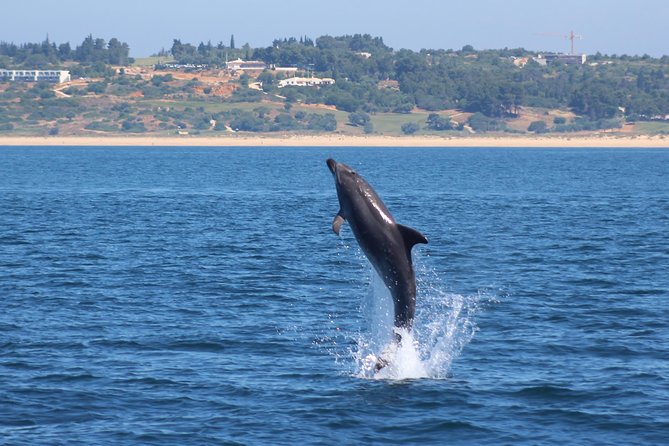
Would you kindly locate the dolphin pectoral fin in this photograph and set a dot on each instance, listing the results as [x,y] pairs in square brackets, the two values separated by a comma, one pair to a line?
[337,222]
[411,236]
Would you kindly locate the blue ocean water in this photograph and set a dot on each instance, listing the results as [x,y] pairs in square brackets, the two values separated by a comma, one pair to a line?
[198,296]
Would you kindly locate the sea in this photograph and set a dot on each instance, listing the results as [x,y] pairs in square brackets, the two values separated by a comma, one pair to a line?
[198,296]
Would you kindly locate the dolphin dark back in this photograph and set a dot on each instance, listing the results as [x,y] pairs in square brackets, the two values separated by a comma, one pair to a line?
[386,244]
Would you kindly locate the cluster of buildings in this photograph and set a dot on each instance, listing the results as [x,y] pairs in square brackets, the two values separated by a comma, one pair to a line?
[256,65]
[61,76]
[55,76]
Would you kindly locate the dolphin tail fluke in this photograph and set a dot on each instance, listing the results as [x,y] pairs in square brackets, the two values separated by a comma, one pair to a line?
[411,236]
[337,222]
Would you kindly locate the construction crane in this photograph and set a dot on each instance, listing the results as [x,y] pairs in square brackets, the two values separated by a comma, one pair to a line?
[571,36]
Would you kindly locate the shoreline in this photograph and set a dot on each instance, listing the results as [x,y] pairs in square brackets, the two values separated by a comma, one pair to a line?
[573,141]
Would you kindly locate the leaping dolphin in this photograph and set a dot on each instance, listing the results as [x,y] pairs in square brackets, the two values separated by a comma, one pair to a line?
[386,243]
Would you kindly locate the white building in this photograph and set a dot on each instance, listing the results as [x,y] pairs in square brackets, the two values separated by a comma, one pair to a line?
[245,65]
[290,71]
[56,76]
[568,59]
[305,82]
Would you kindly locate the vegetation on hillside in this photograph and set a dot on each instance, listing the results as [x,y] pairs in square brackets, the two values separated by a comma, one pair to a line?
[452,90]
[484,82]
[90,57]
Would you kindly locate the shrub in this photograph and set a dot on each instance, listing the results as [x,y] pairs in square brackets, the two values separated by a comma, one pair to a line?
[131,126]
[284,121]
[326,122]
[344,101]
[245,95]
[482,123]
[248,122]
[439,123]
[410,128]
[97,87]
[102,126]
[359,119]
[538,127]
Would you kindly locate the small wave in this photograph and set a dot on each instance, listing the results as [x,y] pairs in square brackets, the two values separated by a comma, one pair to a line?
[197,346]
[64,377]
[592,282]
[19,422]
[153,345]
[11,240]
[150,381]
[546,391]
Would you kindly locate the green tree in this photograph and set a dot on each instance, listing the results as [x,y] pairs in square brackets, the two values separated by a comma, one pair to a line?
[117,52]
[247,121]
[284,121]
[267,80]
[64,51]
[409,128]
[326,122]
[439,123]
[359,119]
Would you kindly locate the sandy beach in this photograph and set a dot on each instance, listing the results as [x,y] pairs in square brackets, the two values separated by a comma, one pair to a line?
[641,141]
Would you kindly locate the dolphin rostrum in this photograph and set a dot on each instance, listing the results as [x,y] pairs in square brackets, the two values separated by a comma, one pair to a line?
[386,243]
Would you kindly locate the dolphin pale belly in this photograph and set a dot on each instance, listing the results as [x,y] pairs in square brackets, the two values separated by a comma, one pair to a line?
[385,243]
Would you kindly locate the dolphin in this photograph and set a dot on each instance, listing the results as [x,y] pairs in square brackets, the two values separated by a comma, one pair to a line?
[386,243]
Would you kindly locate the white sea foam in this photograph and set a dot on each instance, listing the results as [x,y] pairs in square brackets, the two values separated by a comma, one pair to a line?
[444,325]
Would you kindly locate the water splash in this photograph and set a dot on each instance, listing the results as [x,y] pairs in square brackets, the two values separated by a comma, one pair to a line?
[444,325]
[401,361]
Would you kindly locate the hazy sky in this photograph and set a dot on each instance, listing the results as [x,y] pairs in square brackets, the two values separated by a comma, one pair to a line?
[607,26]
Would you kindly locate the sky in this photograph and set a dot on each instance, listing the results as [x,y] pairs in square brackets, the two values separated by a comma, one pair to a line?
[606,26]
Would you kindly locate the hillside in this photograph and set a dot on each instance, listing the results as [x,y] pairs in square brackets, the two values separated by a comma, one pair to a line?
[374,90]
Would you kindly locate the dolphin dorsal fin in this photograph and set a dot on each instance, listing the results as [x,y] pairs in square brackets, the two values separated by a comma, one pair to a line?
[411,236]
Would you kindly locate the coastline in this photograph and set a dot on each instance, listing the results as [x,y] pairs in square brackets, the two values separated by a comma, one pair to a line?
[571,141]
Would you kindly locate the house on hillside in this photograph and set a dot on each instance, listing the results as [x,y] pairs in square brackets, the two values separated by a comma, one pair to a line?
[54,76]
[305,82]
[568,59]
[245,65]
[520,62]
[290,71]
[549,58]
[181,66]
